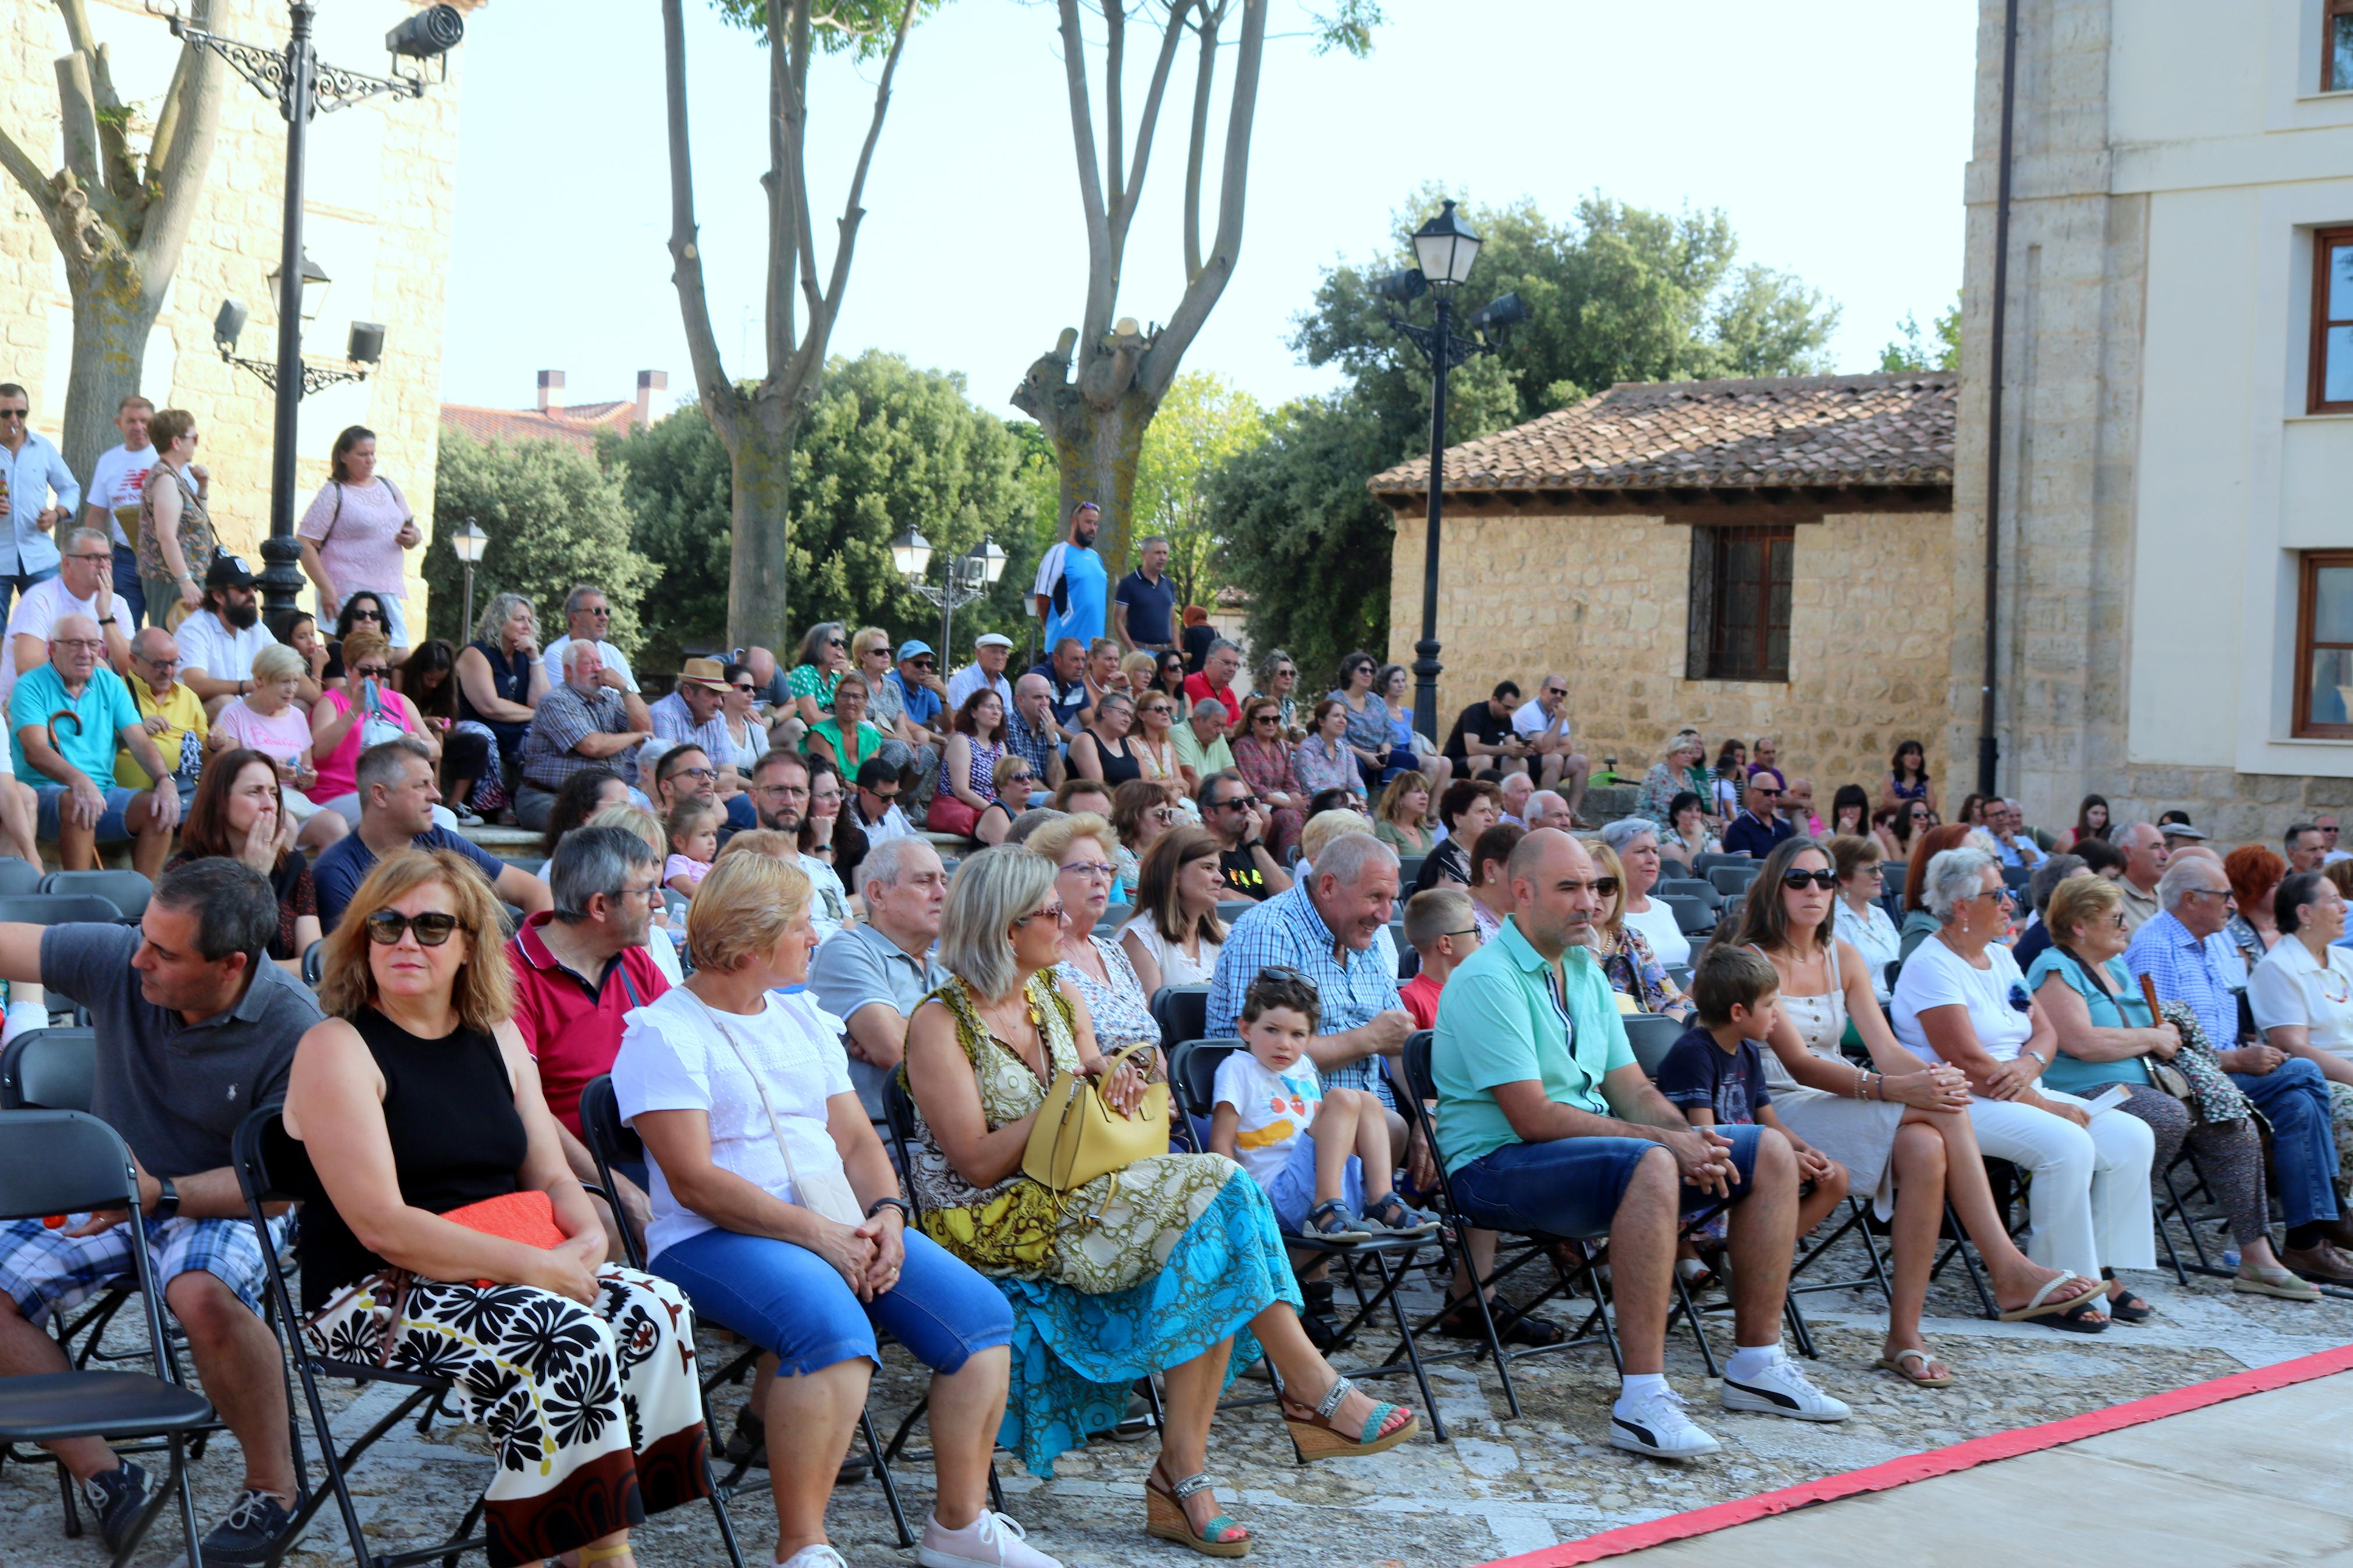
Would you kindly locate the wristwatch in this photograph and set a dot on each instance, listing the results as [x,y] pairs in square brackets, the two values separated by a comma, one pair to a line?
[167,1199]
[906,1215]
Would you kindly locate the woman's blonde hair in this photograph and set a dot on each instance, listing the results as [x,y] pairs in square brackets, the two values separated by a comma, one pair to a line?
[483,989]
[744,907]
[277,662]
[633,820]
[868,639]
[2076,899]
[1003,767]
[1403,785]
[1139,667]
[991,889]
[766,843]
[361,644]
[1325,826]
[1606,862]
[1054,839]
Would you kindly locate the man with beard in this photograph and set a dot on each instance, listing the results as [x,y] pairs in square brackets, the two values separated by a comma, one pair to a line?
[1072,589]
[780,795]
[217,642]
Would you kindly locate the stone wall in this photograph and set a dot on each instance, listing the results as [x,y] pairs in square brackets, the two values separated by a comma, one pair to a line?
[1605,601]
[382,194]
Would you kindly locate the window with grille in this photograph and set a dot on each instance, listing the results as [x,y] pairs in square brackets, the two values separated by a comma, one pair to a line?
[2330,388]
[2324,645]
[1740,603]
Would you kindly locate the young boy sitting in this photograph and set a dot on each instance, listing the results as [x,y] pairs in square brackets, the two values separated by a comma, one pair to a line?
[1716,1073]
[1438,924]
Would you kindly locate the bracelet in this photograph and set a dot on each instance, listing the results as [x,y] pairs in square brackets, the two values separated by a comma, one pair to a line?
[906,1215]
[1862,1079]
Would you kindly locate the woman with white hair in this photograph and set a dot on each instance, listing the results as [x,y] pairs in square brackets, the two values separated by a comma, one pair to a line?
[1635,841]
[1960,999]
[1179,1268]
[1681,766]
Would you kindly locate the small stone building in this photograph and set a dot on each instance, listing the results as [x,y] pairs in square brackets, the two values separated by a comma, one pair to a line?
[1744,557]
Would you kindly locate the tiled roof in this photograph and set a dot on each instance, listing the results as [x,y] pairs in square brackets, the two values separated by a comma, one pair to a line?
[1816,430]
[577,427]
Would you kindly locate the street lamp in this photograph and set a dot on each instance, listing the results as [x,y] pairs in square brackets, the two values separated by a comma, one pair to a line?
[468,544]
[362,351]
[304,86]
[964,577]
[1446,252]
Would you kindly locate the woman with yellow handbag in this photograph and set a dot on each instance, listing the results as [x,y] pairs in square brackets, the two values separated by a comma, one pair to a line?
[1165,1263]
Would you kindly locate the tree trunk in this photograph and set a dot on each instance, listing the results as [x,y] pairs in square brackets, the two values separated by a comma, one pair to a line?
[113,317]
[761,463]
[1095,452]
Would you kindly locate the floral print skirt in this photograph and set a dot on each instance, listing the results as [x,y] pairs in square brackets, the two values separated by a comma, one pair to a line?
[595,1412]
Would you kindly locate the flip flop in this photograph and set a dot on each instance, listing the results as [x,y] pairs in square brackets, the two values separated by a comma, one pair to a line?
[2130,1308]
[2076,1320]
[2046,1303]
[1895,1364]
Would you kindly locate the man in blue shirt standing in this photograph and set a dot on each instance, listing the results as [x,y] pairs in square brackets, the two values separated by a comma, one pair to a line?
[1072,588]
[1148,602]
[31,471]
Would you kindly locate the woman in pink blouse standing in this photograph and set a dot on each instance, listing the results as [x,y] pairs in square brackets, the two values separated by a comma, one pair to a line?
[355,532]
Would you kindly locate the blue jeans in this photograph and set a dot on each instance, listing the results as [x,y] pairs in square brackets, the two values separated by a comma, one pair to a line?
[15,582]
[2293,1096]
[128,583]
[1572,1186]
[788,1301]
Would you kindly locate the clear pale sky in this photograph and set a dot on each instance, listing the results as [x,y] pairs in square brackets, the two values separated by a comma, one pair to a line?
[1832,132]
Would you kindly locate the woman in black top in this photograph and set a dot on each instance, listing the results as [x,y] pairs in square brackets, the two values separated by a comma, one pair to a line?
[500,678]
[1101,750]
[362,611]
[420,1085]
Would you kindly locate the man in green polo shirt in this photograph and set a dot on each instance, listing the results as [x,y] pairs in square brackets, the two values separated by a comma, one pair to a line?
[1549,1125]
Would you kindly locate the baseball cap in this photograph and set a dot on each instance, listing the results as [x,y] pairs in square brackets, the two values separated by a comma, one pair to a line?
[2180,830]
[228,572]
[992,639]
[912,647]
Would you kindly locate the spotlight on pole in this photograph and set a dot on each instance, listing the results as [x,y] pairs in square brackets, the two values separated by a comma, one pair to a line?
[436,30]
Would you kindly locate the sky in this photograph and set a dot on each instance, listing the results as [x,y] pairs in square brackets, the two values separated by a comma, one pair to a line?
[1832,133]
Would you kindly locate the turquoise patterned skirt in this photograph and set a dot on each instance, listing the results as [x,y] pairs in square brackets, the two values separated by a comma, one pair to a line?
[1075,1356]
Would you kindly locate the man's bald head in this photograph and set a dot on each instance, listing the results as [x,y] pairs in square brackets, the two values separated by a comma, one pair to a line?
[74,646]
[1552,891]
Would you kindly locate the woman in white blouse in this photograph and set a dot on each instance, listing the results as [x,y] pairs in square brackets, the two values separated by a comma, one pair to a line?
[1858,918]
[1174,937]
[777,1210]
[1961,999]
[1636,841]
[2302,993]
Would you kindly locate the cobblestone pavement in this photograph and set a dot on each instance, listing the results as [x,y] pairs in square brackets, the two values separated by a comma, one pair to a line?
[1501,1485]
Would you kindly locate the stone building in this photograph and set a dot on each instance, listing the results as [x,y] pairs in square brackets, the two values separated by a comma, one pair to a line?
[2176,548]
[381,196]
[1744,557]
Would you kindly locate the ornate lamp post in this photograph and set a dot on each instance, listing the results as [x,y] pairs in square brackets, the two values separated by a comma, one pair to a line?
[1446,252]
[963,579]
[468,544]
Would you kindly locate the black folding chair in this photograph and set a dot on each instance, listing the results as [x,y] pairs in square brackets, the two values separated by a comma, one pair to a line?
[1703,863]
[63,1162]
[1733,881]
[1692,918]
[49,1069]
[1193,1070]
[1409,868]
[60,909]
[128,891]
[18,878]
[615,1146]
[1182,1012]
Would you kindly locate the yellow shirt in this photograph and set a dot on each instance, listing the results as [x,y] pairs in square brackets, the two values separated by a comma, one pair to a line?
[184,716]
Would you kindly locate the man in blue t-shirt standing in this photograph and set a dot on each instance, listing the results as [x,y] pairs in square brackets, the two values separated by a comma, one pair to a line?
[1072,588]
[1147,598]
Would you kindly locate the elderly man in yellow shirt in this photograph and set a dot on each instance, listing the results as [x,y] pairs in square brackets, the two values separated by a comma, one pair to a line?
[172,713]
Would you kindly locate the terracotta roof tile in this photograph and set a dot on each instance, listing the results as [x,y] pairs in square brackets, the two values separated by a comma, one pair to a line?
[577,427]
[1834,430]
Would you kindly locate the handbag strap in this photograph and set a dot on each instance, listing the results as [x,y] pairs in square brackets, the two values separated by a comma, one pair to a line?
[776,1129]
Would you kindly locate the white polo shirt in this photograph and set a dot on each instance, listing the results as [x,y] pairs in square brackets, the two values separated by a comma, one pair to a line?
[41,606]
[221,650]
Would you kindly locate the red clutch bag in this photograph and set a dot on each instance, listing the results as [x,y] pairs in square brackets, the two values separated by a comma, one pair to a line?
[528,1217]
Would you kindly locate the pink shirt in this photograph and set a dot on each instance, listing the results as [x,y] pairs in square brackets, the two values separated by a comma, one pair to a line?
[284,737]
[339,774]
[360,547]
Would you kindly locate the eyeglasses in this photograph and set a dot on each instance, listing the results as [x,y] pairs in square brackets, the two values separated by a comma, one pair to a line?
[598,610]
[744,686]
[87,555]
[386,927]
[2002,895]
[154,663]
[2206,892]
[1604,887]
[1825,880]
[1055,913]
[1472,931]
[95,645]
[648,893]
[705,775]
[371,671]
[1092,870]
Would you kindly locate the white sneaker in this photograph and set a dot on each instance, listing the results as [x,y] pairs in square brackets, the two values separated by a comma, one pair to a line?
[1658,1427]
[1783,1389]
[992,1541]
[817,1556]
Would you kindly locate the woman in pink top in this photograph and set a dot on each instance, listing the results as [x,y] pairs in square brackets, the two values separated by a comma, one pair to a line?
[355,532]
[267,719]
[362,712]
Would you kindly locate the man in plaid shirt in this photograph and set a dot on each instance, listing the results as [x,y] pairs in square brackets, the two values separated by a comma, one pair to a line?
[586,723]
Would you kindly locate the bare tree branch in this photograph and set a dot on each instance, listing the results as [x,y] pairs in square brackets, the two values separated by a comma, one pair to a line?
[1205,76]
[28,174]
[79,38]
[1145,127]
[1167,350]
[78,111]
[1115,105]
[782,183]
[1102,287]
[852,211]
[193,113]
[168,119]
[720,400]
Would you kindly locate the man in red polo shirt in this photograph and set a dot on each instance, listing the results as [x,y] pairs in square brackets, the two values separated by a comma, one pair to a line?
[579,970]
[1216,678]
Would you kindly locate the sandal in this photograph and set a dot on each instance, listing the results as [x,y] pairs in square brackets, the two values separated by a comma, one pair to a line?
[1457,1322]
[2055,1300]
[2130,1308]
[1165,1517]
[1897,1362]
[2078,1320]
[1331,1221]
[2279,1282]
[1319,1436]
[1394,1216]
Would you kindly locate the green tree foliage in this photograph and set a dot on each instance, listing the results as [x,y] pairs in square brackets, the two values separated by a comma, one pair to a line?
[885,447]
[1204,423]
[555,518]
[1909,351]
[1615,293]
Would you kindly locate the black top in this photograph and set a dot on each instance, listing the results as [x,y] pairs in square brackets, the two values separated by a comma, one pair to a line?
[1700,1075]
[1479,722]
[1239,867]
[1450,862]
[1119,766]
[457,1138]
[1196,642]
[511,679]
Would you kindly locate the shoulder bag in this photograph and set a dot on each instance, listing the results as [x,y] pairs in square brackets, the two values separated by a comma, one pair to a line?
[1078,1135]
[826,1193]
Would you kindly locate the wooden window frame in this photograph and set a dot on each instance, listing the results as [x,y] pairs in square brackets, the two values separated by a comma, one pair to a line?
[2325,242]
[1704,647]
[2309,568]
[2329,11]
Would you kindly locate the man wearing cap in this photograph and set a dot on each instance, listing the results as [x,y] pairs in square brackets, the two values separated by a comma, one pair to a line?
[217,642]
[990,652]
[690,716]
[80,588]
[2006,820]
[1073,587]
[2179,834]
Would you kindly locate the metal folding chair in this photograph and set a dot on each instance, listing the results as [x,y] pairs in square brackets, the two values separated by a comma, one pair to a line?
[1182,1012]
[128,891]
[18,878]
[60,909]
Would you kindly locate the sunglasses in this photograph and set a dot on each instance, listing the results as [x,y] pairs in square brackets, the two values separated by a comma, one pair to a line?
[385,927]
[1604,887]
[744,686]
[376,615]
[599,610]
[1268,719]
[922,664]
[1018,778]
[1239,802]
[1824,880]
[13,413]
[892,793]
[1055,913]
[371,671]
[835,642]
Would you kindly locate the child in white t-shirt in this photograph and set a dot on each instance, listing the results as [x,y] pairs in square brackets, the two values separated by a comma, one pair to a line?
[1321,1155]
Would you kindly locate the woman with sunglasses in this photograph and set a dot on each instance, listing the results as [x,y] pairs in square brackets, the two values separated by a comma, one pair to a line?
[1155,744]
[1961,1000]
[1141,812]
[824,659]
[1913,819]
[1263,758]
[904,746]
[968,772]
[363,611]
[1898,1126]
[1085,854]
[1168,674]
[2107,1036]
[1634,971]
[420,1085]
[1102,752]
[1920,922]
[176,542]
[1278,675]
[358,714]
[1181,1270]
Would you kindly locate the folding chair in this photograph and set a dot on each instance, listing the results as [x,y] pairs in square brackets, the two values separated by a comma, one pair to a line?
[63,1162]
[1182,1012]
[1692,918]
[49,1069]
[1409,868]
[128,891]
[60,909]
[615,1146]
[1703,863]
[18,878]
[1733,881]
[1891,878]
[1698,887]
[2176,1206]
[1193,1070]
[2016,877]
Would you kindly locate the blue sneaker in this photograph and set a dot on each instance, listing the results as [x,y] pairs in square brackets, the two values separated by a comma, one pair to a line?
[115,1498]
[258,1527]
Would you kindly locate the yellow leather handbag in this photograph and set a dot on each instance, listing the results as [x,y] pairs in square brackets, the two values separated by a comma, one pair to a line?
[1078,1136]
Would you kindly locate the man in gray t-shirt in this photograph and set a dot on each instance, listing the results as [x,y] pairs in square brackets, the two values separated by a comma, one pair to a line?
[196,1027]
[873,976]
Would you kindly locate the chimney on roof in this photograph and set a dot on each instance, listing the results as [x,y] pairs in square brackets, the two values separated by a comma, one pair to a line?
[648,383]
[551,394]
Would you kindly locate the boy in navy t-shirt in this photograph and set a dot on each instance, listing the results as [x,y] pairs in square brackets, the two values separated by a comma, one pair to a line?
[1715,1074]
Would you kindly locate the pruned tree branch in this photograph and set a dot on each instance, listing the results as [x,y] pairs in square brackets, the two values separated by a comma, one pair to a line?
[782,183]
[852,209]
[28,175]
[190,116]
[1125,209]
[1167,350]
[1103,284]
[78,116]
[1205,75]
[1114,102]
[720,400]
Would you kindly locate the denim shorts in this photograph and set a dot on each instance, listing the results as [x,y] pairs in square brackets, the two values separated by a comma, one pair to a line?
[788,1301]
[112,825]
[1572,1186]
[1291,1191]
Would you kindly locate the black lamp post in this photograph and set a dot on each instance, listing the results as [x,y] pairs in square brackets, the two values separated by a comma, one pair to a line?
[1446,252]
[303,87]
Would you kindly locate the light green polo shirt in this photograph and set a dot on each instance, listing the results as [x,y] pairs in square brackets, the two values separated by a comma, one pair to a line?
[1498,1022]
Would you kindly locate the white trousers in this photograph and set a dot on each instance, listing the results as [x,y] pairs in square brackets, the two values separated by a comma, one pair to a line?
[2089,1201]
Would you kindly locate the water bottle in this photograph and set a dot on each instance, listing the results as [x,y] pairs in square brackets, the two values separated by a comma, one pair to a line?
[2231,1258]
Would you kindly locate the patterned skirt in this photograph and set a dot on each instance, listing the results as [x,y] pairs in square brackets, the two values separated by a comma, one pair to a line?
[595,1413]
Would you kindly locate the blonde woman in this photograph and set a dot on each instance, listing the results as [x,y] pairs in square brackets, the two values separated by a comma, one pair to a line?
[1624,952]
[1400,821]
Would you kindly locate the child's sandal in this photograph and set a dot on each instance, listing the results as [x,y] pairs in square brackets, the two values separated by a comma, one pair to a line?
[1331,1221]
[1391,1213]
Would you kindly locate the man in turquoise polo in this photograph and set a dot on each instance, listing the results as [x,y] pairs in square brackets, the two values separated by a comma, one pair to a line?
[1549,1125]
[67,720]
